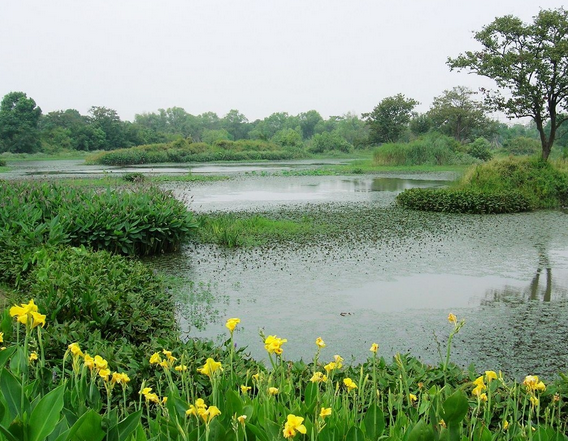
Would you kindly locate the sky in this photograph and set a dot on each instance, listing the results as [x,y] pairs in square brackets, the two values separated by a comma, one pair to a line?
[256,56]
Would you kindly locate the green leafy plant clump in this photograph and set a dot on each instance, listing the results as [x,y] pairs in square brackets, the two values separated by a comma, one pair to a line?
[434,149]
[508,185]
[463,201]
[183,151]
[139,221]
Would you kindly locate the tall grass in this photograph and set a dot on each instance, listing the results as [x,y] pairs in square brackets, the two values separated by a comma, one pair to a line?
[432,149]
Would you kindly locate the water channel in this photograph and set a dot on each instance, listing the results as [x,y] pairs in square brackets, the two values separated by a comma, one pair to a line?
[392,277]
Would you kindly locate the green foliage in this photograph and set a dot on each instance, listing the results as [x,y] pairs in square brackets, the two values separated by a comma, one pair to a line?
[500,186]
[183,151]
[19,118]
[140,222]
[522,146]
[115,297]
[232,230]
[136,177]
[325,142]
[389,119]
[463,201]
[529,60]
[480,149]
[2,163]
[432,149]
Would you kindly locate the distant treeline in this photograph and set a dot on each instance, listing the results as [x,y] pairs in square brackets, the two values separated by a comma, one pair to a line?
[25,129]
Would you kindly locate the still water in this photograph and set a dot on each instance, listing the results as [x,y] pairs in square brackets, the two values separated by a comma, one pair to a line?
[391,278]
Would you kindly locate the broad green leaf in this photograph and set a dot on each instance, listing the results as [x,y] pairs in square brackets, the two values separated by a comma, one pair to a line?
[260,434]
[12,391]
[7,434]
[374,422]
[46,414]
[87,428]
[455,408]
[5,355]
[355,434]
[421,432]
[128,425]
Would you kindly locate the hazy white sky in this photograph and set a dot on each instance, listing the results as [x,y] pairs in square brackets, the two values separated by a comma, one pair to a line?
[257,56]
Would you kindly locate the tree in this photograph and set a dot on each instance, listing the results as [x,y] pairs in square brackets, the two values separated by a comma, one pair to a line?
[19,120]
[390,118]
[108,121]
[456,114]
[530,61]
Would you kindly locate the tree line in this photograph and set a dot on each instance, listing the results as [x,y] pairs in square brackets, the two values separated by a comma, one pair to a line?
[456,112]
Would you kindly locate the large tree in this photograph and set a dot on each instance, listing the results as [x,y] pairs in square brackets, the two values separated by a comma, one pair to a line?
[19,119]
[390,118]
[456,113]
[530,62]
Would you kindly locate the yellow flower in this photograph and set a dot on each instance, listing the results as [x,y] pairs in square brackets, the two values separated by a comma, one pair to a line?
[151,397]
[532,383]
[412,398]
[146,391]
[33,356]
[181,368]
[241,419]
[75,349]
[232,324]
[104,374]
[165,364]
[245,389]
[28,314]
[483,397]
[490,375]
[330,366]
[1,337]
[478,390]
[293,424]
[325,412]
[273,344]
[320,343]
[442,423]
[534,400]
[164,400]
[348,382]
[100,362]
[479,382]
[452,318]
[169,356]
[273,390]
[374,348]
[505,425]
[210,413]
[256,377]
[210,367]
[156,358]
[120,378]
[316,378]
[89,361]
[338,361]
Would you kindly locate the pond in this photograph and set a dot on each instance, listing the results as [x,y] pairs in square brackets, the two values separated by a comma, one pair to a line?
[391,276]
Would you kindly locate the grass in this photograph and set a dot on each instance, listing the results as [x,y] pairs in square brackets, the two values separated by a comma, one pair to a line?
[41,156]
[245,229]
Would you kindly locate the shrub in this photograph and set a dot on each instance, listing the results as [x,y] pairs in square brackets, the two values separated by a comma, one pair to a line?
[463,201]
[134,177]
[2,163]
[433,149]
[328,141]
[523,146]
[144,221]
[480,149]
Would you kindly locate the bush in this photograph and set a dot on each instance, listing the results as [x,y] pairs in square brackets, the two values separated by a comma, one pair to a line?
[433,149]
[523,146]
[140,222]
[480,149]
[2,163]
[329,141]
[463,201]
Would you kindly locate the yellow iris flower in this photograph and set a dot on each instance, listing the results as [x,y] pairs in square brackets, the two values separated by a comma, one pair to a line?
[232,324]
[210,367]
[374,348]
[325,412]
[320,343]
[349,383]
[273,344]
[293,424]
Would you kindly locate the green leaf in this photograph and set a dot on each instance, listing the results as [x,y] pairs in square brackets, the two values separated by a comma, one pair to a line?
[12,391]
[455,408]
[86,428]
[355,434]
[5,355]
[421,432]
[7,434]
[128,425]
[260,434]
[46,414]
[374,422]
